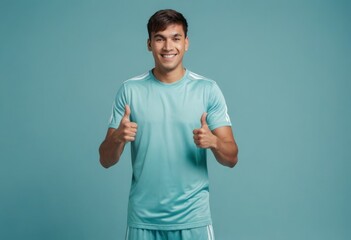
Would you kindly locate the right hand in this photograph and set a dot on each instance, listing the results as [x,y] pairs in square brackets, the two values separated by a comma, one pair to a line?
[126,130]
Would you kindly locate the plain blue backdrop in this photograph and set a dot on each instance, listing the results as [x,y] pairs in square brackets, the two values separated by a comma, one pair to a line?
[283,66]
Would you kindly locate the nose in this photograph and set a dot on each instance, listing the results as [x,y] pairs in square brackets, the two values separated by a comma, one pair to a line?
[167,45]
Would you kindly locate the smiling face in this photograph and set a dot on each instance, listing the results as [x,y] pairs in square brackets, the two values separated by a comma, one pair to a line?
[168,48]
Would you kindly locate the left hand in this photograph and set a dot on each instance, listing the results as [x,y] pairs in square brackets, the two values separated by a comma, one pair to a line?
[203,136]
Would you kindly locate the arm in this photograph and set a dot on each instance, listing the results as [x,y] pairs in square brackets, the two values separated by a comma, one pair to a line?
[224,146]
[110,150]
[112,147]
[220,141]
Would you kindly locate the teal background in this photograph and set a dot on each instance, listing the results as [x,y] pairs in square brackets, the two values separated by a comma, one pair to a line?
[283,66]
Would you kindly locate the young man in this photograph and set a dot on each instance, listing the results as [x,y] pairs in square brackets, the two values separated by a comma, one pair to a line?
[171,116]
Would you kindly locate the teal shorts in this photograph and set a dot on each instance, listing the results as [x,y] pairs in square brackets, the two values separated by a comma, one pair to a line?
[200,233]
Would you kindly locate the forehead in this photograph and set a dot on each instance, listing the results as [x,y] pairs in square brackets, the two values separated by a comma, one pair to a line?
[171,30]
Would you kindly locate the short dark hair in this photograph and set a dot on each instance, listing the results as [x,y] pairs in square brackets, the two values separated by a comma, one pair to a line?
[163,18]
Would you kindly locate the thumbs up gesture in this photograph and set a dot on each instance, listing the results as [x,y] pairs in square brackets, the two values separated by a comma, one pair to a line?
[203,136]
[126,130]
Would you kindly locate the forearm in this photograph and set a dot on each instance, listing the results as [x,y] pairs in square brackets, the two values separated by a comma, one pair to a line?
[110,152]
[226,152]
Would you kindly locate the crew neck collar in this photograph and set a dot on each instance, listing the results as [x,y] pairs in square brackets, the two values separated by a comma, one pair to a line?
[169,84]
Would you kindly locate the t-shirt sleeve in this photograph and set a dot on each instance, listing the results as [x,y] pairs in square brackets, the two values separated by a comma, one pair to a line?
[118,107]
[217,112]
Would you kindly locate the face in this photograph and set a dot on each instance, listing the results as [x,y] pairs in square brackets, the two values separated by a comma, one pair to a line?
[168,48]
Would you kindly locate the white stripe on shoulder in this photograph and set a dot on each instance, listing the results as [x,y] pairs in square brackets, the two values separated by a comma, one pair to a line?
[140,77]
[195,76]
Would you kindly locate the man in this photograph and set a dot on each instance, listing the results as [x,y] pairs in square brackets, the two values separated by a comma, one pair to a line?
[171,116]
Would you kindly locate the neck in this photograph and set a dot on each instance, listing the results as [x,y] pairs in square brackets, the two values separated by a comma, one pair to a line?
[168,76]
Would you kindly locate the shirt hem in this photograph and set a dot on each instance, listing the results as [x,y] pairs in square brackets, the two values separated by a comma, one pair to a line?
[223,124]
[112,126]
[170,227]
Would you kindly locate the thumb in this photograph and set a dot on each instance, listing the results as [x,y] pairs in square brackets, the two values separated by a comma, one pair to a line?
[126,112]
[203,119]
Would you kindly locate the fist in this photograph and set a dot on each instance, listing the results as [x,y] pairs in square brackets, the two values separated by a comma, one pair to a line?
[126,130]
[203,136]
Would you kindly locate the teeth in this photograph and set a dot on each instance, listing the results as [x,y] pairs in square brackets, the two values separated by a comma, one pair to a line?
[168,55]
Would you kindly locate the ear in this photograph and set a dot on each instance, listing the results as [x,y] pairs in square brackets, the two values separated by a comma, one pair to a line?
[186,43]
[149,45]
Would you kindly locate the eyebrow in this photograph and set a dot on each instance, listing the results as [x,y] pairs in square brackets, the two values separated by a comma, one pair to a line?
[162,36]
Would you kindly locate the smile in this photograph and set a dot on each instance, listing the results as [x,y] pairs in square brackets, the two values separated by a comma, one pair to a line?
[168,55]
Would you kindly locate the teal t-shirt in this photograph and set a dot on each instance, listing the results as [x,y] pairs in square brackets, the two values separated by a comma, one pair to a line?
[170,188]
